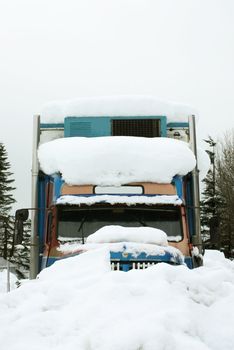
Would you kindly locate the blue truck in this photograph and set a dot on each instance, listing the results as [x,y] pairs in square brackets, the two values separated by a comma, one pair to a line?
[51,219]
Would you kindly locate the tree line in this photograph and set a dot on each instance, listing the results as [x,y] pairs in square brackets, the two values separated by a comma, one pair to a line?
[217,204]
[18,255]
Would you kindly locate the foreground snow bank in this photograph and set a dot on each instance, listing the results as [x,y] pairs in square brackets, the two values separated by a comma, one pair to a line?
[116,160]
[115,106]
[80,304]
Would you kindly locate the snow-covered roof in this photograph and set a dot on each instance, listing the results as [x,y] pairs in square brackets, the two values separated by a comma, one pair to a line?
[116,160]
[115,106]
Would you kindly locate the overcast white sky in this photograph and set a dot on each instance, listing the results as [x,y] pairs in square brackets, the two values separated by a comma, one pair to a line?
[181,50]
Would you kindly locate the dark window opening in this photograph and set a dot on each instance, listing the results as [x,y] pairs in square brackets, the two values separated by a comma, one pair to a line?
[78,223]
[136,127]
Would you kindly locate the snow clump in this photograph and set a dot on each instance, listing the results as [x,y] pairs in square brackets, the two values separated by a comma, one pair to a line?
[115,233]
[116,160]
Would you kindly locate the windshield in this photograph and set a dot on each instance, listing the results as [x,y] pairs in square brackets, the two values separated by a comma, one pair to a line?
[76,223]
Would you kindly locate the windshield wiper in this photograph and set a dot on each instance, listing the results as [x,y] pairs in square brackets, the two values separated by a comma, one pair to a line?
[140,221]
[80,227]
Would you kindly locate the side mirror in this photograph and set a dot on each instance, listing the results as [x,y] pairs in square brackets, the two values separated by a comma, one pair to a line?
[21,215]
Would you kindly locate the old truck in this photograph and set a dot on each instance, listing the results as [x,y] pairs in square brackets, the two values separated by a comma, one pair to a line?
[68,211]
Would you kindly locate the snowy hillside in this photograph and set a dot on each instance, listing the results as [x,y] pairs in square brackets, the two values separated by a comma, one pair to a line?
[80,304]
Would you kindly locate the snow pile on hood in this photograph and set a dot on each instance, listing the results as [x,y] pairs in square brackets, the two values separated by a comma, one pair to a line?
[78,303]
[127,247]
[116,160]
[115,233]
[132,240]
[115,106]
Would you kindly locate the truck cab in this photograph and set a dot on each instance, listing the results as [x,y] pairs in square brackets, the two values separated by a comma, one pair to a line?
[67,213]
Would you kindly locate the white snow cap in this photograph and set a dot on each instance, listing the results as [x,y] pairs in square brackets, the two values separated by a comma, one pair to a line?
[116,160]
[115,106]
[203,161]
[115,199]
[115,233]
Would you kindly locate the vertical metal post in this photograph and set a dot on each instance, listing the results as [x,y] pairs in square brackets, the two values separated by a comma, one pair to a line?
[8,276]
[34,252]
[196,192]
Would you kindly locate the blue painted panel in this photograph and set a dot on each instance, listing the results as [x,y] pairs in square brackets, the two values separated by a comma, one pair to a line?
[41,212]
[178,181]
[101,126]
[189,207]
[163,126]
[87,126]
[48,262]
[143,257]
[178,125]
[51,126]
[189,262]
[58,182]
[42,184]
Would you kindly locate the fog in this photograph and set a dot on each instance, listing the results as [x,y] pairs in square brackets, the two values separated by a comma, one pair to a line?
[179,50]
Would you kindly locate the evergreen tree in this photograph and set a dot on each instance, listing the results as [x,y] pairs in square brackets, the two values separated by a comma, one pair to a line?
[16,254]
[209,202]
[6,236]
[6,201]
[6,197]
[217,205]
[225,190]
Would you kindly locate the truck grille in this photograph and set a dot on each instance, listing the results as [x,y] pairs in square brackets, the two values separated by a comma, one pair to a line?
[136,127]
[117,266]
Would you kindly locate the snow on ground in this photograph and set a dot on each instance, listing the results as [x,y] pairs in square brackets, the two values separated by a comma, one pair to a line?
[115,106]
[79,303]
[116,160]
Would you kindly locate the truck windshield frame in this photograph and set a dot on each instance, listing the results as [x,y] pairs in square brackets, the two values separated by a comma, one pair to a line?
[81,221]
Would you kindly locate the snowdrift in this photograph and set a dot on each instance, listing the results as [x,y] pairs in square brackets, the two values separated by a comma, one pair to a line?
[79,303]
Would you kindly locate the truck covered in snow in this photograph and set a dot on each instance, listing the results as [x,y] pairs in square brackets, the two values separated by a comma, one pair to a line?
[119,173]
